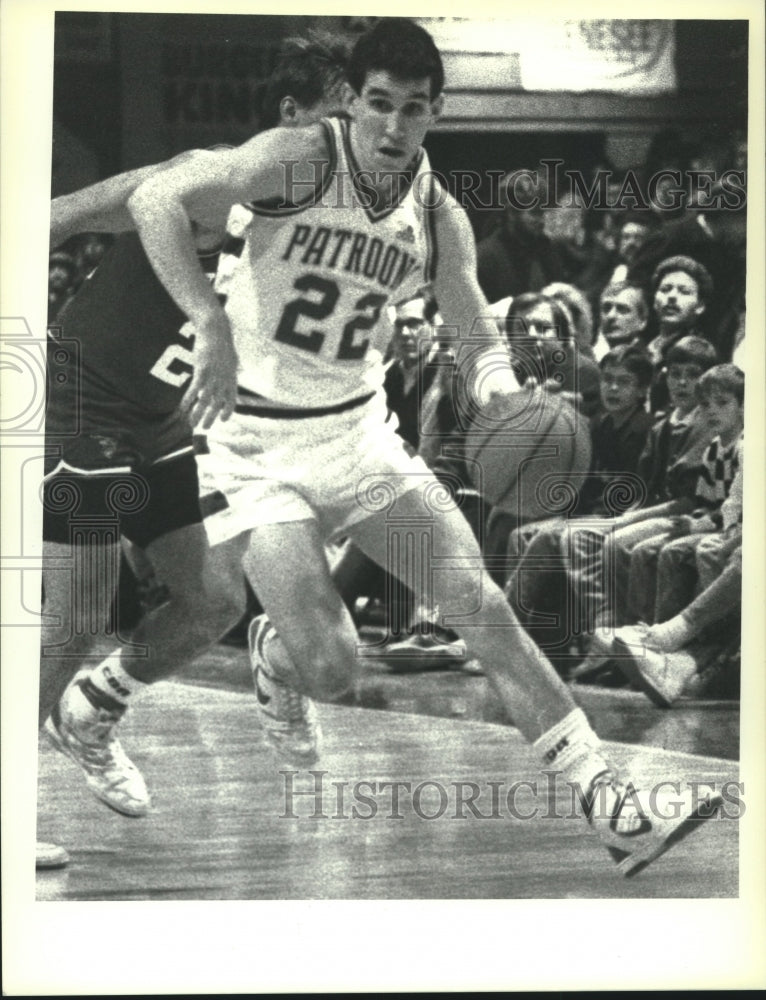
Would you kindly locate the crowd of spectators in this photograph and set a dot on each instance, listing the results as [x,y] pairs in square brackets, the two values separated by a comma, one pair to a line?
[649,307]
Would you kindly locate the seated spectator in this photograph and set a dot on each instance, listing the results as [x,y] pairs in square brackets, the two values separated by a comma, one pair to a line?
[580,313]
[544,351]
[62,282]
[408,375]
[664,658]
[544,354]
[682,289]
[635,227]
[677,438]
[610,265]
[713,233]
[534,314]
[518,256]
[597,556]
[539,587]
[619,433]
[623,317]
[660,578]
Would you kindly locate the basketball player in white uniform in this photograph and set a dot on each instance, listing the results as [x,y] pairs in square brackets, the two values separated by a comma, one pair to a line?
[291,367]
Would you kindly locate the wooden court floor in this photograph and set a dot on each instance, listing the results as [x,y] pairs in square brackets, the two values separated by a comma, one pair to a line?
[226,824]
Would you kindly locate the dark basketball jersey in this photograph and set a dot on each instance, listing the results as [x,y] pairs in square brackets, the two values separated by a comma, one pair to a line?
[119,365]
[128,329]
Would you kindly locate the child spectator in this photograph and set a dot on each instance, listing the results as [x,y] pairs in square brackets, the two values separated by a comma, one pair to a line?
[668,468]
[619,433]
[659,579]
[680,431]
[663,658]
[618,437]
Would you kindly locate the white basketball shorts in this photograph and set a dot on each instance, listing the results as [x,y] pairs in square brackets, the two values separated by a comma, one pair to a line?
[336,469]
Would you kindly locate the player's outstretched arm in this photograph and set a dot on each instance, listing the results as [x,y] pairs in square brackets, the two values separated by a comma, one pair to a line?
[462,303]
[164,209]
[103,207]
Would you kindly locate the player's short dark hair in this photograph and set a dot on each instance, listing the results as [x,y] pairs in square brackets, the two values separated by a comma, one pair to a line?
[400,47]
[634,359]
[307,68]
[692,351]
[690,266]
[728,379]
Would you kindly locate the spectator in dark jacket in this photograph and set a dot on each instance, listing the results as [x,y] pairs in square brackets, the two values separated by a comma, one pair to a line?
[518,256]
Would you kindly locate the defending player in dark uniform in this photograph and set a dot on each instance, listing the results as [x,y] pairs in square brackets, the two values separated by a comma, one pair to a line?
[120,462]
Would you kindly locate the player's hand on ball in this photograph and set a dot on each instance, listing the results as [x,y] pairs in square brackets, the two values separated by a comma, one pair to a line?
[212,392]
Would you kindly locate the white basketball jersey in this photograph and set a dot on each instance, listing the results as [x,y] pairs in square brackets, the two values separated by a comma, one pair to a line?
[305,284]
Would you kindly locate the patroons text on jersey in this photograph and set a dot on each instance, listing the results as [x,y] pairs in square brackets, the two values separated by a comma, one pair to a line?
[352,252]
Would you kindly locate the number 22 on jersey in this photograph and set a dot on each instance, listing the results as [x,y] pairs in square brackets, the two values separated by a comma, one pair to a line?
[350,347]
[175,365]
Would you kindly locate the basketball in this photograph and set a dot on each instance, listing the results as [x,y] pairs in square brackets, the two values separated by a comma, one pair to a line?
[528,453]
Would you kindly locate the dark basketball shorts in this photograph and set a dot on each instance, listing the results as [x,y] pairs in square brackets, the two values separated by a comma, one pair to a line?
[113,466]
[142,503]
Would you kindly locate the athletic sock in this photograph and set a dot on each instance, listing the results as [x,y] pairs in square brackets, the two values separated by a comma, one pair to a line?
[573,747]
[671,635]
[111,679]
